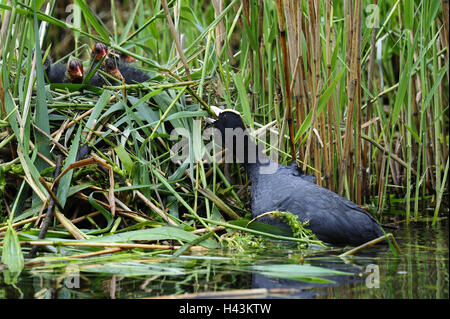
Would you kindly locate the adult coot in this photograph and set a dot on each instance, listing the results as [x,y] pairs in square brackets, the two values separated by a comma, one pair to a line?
[332,218]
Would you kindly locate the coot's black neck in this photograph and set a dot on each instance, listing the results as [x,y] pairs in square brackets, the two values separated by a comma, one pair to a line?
[240,146]
[242,149]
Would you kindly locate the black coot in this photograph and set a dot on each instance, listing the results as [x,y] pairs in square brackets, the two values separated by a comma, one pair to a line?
[331,217]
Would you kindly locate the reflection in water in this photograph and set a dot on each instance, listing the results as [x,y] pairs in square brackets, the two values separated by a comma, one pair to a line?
[421,271]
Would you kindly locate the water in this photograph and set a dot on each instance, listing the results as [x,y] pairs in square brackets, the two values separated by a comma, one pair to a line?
[420,271]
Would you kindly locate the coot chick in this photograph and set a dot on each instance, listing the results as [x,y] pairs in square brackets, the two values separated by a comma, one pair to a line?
[130,74]
[111,67]
[60,73]
[74,72]
[124,58]
[55,72]
[332,218]
[133,75]
[99,50]
[96,80]
[297,171]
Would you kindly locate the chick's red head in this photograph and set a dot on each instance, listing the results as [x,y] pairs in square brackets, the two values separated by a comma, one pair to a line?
[99,50]
[75,71]
[112,68]
[124,57]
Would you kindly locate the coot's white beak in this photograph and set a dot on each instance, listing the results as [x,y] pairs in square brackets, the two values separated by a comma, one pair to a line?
[216,110]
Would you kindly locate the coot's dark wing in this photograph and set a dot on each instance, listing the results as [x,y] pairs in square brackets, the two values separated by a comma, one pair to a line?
[331,217]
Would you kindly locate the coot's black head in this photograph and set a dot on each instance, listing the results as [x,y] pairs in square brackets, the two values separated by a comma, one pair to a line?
[235,137]
[229,119]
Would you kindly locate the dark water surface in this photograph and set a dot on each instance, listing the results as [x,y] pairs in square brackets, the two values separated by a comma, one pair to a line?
[420,271]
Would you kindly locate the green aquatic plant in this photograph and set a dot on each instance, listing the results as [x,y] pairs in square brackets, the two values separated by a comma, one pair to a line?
[299,229]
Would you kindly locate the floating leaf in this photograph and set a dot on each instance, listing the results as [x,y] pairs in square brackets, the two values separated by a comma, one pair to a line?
[305,273]
[160,233]
[134,269]
[192,243]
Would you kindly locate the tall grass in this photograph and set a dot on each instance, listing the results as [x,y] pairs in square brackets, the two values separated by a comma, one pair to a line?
[369,132]
[357,93]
